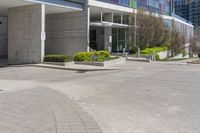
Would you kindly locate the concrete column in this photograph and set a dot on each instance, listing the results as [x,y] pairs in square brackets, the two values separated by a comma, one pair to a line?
[107,37]
[88,29]
[43,34]
[25,39]
[121,18]
[108,17]
[101,15]
[68,33]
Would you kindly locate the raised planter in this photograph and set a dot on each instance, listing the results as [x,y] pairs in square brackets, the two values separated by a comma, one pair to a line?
[138,59]
[59,63]
[150,57]
[163,54]
[103,64]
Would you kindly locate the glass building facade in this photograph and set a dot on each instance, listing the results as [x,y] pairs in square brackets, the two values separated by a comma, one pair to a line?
[128,3]
[157,6]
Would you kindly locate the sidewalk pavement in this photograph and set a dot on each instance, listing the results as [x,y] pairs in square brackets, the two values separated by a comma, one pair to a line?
[42,110]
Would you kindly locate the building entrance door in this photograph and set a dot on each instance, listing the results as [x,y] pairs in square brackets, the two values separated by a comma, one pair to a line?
[118,39]
[93,40]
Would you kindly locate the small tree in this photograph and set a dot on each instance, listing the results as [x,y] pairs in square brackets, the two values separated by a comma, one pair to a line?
[160,33]
[194,47]
[177,41]
[150,30]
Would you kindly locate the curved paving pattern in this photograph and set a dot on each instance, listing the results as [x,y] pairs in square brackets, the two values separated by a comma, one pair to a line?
[43,111]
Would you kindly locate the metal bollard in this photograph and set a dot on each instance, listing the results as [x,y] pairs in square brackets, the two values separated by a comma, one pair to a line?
[110,49]
[138,52]
[126,55]
[154,55]
[124,50]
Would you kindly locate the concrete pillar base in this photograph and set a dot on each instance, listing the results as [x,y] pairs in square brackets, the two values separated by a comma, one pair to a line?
[25,25]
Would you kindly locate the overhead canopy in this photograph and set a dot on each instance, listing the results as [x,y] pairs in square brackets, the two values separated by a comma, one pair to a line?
[108,24]
[52,6]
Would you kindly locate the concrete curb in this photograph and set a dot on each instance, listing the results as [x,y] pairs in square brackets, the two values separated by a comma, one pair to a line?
[72,69]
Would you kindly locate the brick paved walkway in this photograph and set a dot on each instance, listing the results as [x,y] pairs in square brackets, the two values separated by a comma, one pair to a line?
[42,110]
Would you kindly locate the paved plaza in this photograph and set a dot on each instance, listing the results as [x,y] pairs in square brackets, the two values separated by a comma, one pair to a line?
[133,98]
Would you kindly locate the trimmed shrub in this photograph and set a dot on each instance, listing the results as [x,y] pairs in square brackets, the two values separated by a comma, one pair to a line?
[57,58]
[104,53]
[156,49]
[157,57]
[68,59]
[83,56]
[99,56]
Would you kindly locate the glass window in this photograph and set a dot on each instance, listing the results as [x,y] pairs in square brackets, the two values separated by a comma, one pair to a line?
[125,19]
[117,19]
[95,18]
[125,2]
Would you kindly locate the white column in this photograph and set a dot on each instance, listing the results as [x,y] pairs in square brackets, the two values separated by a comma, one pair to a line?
[43,34]
[88,29]
[101,15]
[121,18]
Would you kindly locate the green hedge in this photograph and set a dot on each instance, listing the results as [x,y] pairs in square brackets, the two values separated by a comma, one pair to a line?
[57,58]
[99,56]
[156,49]
[157,57]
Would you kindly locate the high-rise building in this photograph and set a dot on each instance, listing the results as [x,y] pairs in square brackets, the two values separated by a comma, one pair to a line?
[189,9]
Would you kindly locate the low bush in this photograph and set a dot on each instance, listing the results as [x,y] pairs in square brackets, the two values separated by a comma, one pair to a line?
[83,56]
[156,49]
[57,58]
[99,56]
[68,59]
[134,50]
[183,52]
[157,57]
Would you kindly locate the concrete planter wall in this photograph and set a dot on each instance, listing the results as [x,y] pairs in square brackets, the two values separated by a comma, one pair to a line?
[179,56]
[103,64]
[139,59]
[60,63]
[163,54]
[150,57]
